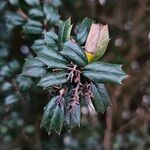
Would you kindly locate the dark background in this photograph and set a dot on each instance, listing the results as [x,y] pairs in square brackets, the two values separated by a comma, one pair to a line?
[125,125]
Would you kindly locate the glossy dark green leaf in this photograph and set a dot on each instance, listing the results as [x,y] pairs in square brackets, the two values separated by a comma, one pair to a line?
[72,118]
[50,38]
[101,72]
[52,58]
[33,27]
[32,2]
[33,68]
[11,99]
[36,13]
[51,62]
[48,112]
[38,45]
[83,30]
[101,99]
[64,31]
[77,48]
[53,116]
[51,13]
[74,53]
[57,119]
[53,79]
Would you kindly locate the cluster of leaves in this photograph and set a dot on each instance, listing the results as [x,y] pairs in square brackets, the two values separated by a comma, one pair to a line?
[34,16]
[62,67]
[13,88]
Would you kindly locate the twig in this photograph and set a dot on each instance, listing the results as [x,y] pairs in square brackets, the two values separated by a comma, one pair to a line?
[107,136]
[22,14]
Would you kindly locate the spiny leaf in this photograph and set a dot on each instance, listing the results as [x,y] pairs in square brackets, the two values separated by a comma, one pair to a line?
[50,51]
[33,27]
[38,45]
[75,47]
[64,31]
[36,13]
[57,119]
[33,68]
[83,30]
[74,53]
[101,99]
[53,116]
[72,118]
[54,78]
[52,58]
[101,72]
[50,38]
[51,13]
[51,62]
[48,112]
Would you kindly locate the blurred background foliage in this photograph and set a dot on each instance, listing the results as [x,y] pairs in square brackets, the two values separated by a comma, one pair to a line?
[125,125]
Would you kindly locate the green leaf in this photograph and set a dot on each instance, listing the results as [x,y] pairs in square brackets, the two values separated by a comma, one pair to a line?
[53,79]
[51,13]
[102,42]
[3,52]
[3,5]
[72,118]
[101,99]
[11,99]
[33,68]
[5,71]
[32,2]
[50,38]
[74,53]
[101,72]
[14,2]
[52,58]
[24,83]
[33,27]
[83,30]
[13,19]
[35,13]
[38,45]
[57,119]
[6,86]
[64,31]
[14,66]
[48,112]
[53,116]
[56,3]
